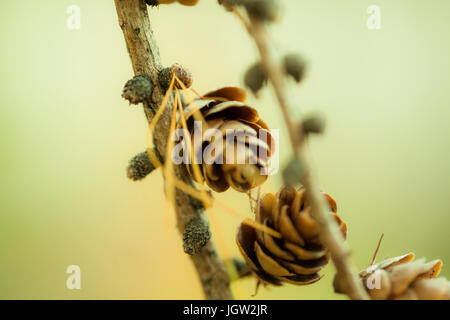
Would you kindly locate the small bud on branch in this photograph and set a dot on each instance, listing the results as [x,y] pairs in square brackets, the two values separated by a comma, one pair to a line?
[255,78]
[138,89]
[313,124]
[295,66]
[183,74]
[196,235]
[263,10]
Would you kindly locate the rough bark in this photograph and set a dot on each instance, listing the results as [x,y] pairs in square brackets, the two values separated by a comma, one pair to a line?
[144,53]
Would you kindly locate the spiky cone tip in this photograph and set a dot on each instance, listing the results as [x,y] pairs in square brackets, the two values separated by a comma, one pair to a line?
[255,78]
[313,124]
[295,66]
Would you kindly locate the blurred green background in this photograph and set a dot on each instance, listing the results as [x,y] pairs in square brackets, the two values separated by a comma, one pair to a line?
[66,136]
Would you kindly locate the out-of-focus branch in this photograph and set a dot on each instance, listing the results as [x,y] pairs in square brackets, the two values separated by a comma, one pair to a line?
[330,233]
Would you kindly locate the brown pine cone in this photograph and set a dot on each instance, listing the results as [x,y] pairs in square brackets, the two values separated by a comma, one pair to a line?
[298,255]
[401,278]
[224,109]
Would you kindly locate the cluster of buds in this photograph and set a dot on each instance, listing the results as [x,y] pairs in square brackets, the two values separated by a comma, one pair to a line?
[293,64]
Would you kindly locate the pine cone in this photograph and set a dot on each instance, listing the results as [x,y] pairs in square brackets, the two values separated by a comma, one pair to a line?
[401,278]
[224,109]
[299,255]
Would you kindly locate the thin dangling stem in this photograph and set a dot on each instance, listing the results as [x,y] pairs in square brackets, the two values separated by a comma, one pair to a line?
[376,250]
[150,144]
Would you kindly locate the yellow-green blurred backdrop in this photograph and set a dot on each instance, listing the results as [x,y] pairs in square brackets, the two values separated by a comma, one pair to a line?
[66,136]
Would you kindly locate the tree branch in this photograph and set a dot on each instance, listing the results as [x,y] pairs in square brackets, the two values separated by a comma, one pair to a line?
[330,233]
[145,59]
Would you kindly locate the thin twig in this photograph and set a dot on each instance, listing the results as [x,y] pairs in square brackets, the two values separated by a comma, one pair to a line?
[144,54]
[330,232]
[376,250]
